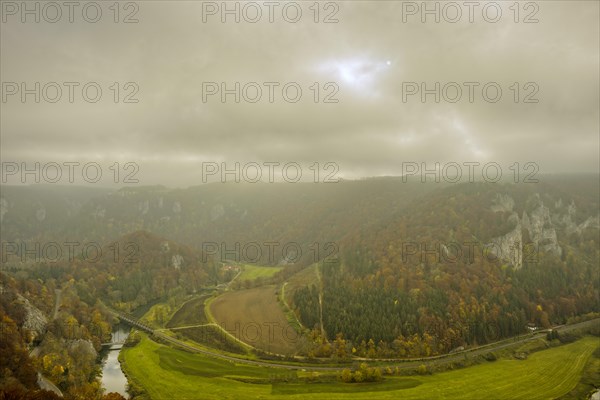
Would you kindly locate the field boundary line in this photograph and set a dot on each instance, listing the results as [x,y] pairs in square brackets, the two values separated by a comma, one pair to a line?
[210,317]
[186,327]
[288,309]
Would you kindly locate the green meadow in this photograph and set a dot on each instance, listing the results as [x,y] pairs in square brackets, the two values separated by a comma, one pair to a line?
[167,373]
[252,272]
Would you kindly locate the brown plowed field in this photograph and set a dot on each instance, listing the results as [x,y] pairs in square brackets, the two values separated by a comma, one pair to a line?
[255,317]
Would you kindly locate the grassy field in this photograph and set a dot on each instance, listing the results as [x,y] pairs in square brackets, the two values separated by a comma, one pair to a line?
[191,322]
[590,379]
[191,313]
[291,317]
[251,272]
[212,337]
[306,277]
[168,373]
[255,317]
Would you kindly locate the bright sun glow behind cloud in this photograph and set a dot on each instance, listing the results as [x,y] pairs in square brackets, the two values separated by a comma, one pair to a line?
[357,73]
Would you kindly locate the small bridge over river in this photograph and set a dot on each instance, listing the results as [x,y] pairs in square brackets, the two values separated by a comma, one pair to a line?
[119,340]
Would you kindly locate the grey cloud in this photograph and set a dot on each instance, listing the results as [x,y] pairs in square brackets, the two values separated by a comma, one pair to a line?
[369,54]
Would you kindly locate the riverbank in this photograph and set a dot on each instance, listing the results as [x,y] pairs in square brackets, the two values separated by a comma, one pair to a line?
[113,379]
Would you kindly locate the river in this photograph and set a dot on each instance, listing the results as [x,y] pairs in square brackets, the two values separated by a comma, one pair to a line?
[113,379]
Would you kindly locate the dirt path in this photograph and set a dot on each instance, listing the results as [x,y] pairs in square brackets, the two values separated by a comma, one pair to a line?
[288,309]
[323,334]
[57,302]
[186,327]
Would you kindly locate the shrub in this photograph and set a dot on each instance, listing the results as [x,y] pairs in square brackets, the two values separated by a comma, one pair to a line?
[362,374]
[422,369]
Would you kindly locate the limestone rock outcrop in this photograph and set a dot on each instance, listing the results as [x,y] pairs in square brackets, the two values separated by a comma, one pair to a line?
[541,224]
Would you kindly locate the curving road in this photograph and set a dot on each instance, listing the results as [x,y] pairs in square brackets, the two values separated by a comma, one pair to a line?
[45,384]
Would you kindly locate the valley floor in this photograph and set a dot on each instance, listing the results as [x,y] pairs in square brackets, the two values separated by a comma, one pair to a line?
[167,373]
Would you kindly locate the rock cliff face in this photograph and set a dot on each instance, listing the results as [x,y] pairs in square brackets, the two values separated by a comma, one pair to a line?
[177,261]
[35,321]
[542,226]
[508,247]
[541,229]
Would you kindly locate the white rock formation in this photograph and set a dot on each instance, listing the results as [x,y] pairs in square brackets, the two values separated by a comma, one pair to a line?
[35,320]
[177,261]
[541,230]
[509,247]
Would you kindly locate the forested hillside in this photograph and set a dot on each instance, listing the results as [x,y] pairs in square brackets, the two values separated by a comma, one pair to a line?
[465,265]
[417,269]
[57,310]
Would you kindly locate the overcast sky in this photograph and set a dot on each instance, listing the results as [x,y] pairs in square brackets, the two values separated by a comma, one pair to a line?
[374,57]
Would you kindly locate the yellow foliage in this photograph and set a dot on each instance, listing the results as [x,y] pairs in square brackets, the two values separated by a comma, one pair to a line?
[58,370]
